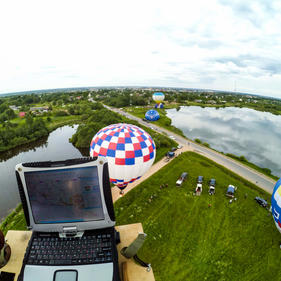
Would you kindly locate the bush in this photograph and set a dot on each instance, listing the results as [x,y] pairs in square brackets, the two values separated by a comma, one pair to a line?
[198,141]
[206,144]
[243,158]
[60,113]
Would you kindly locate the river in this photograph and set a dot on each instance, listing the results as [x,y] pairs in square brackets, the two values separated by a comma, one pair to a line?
[55,147]
[240,131]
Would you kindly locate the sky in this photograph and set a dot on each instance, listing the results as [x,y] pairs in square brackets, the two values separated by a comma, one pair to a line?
[211,44]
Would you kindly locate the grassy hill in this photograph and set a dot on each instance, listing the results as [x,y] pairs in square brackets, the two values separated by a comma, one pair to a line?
[206,237]
[198,238]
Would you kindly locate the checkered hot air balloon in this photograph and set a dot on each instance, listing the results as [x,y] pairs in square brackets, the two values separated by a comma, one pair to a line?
[276,204]
[130,152]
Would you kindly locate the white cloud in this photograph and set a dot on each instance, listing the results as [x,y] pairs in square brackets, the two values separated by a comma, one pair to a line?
[203,44]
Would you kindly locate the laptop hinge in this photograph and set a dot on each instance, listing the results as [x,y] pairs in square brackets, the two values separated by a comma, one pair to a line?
[70,231]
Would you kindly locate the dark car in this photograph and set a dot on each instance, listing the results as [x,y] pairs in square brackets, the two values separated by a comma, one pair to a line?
[261,202]
[170,154]
[200,179]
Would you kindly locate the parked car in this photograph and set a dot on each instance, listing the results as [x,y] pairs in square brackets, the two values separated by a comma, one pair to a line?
[179,146]
[181,179]
[212,184]
[170,154]
[173,149]
[198,189]
[230,191]
[200,179]
[261,202]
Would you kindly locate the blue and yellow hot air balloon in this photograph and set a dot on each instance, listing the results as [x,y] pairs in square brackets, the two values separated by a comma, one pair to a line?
[158,97]
[276,204]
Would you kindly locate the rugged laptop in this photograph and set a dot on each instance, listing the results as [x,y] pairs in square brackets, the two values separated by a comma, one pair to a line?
[68,206]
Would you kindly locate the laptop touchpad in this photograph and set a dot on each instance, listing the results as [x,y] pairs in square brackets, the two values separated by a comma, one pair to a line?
[65,275]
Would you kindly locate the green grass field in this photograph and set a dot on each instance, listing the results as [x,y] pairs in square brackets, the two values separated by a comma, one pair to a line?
[188,240]
[198,238]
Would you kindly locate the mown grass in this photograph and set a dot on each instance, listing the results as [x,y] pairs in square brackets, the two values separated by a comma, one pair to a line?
[59,121]
[206,237]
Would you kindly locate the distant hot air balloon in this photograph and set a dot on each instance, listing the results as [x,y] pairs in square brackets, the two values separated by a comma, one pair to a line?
[158,97]
[159,105]
[130,152]
[276,204]
[152,115]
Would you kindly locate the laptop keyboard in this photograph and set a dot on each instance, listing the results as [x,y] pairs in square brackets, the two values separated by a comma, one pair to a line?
[89,249]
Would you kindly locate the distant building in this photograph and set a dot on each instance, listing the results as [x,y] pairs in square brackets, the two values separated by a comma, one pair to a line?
[212,102]
[13,107]
[39,109]
[91,100]
[22,114]
[198,101]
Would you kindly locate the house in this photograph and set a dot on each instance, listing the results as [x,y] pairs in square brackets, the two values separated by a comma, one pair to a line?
[39,109]
[14,107]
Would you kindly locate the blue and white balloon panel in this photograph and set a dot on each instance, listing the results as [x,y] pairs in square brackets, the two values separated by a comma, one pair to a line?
[276,204]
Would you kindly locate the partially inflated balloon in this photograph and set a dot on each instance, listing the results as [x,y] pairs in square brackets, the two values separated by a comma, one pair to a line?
[276,204]
[159,105]
[152,115]
[130,152]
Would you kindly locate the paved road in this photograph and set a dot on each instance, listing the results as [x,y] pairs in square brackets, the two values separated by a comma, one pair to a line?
[249,174]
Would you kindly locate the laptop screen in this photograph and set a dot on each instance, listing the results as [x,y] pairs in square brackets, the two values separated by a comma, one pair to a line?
[65,195]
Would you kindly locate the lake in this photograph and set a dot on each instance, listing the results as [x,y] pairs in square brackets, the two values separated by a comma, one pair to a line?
[240,131]
[55,147]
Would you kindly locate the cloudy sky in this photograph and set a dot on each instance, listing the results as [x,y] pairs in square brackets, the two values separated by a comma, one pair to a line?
[194,44]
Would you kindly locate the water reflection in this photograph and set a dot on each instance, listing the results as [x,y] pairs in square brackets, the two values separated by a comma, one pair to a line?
[241,131]
[25,147]
[55,147]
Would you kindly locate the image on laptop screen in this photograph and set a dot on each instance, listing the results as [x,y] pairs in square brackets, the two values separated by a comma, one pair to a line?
[65,195]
